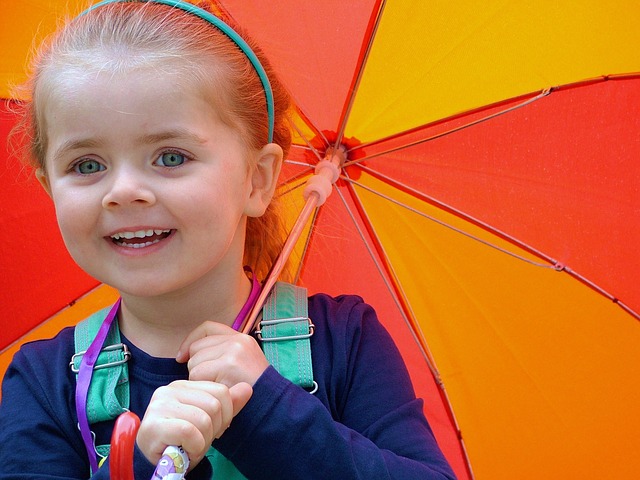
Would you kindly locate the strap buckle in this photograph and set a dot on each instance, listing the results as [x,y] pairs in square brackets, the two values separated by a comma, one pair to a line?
[280,321]
[126,355]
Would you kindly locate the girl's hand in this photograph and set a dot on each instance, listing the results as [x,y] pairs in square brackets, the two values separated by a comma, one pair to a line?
[190,414]
[219,354]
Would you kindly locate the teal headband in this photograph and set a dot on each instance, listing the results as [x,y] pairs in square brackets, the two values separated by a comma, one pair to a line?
[229,32]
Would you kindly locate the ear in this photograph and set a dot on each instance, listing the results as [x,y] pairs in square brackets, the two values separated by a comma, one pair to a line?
[264,179]
[44,180]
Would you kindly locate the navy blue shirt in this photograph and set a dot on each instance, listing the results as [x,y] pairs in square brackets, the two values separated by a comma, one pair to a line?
[364,421]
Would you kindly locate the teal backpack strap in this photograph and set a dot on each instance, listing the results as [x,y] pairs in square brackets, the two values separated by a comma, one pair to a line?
[222,467]
[285,332]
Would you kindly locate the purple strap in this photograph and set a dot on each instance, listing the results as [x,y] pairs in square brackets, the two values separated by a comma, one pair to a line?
[85,373]
[248,305]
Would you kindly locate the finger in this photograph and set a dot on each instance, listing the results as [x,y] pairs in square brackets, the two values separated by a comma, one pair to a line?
[240,395]
[185,413]
[213,398]
[215,401]
[208,348]
[156,434]
[203,330]
[237,358]
[211,356]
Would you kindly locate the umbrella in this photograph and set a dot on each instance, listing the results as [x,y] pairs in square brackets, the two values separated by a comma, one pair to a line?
[486,208]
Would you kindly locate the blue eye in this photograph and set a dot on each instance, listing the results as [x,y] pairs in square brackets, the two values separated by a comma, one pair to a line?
[87,167]
[171,159]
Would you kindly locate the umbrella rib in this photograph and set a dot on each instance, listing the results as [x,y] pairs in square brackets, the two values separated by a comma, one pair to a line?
[225,14]
[307,242]
[539,96]
[306,140]
[462,232]
[370,34]
[311,124]
[599,289]
[307,169]
[529,98]
[553,264]
[298,163]
[291,187]
[389,287]
[459,213]
[407,313]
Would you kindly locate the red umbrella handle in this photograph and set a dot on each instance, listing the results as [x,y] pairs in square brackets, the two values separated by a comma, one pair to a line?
[123,441]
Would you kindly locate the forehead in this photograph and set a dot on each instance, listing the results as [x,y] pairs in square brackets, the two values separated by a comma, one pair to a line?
[167,87]
[130,92]
[121,109]
[62,74]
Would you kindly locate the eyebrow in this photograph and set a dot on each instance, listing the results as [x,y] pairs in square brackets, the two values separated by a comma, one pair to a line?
[175,134]
[71,145]
[151,138]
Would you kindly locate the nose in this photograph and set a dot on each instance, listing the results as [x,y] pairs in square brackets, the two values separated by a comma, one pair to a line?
[128,186]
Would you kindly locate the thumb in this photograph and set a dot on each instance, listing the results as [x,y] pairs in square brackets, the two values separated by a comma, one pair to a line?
[240,395]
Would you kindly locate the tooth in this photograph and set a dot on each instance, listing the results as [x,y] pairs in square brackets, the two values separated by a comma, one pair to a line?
[139,234]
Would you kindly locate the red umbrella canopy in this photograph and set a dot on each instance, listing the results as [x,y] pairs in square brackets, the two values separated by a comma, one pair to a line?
[487,208]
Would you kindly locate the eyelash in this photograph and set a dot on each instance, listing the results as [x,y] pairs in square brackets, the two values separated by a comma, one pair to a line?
[186,158]
[74,167]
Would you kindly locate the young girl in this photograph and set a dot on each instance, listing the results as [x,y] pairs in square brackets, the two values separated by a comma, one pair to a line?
[160,138]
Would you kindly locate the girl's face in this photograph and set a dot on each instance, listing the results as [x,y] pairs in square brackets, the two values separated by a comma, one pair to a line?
[151,189]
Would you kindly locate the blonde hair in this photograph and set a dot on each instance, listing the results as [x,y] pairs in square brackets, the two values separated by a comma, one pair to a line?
[134,34]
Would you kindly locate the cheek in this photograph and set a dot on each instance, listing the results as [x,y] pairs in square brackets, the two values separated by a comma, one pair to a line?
[78,231]
[74,215]
[214,201]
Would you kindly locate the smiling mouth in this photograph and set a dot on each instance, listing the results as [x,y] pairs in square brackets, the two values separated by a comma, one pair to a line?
[139,238]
